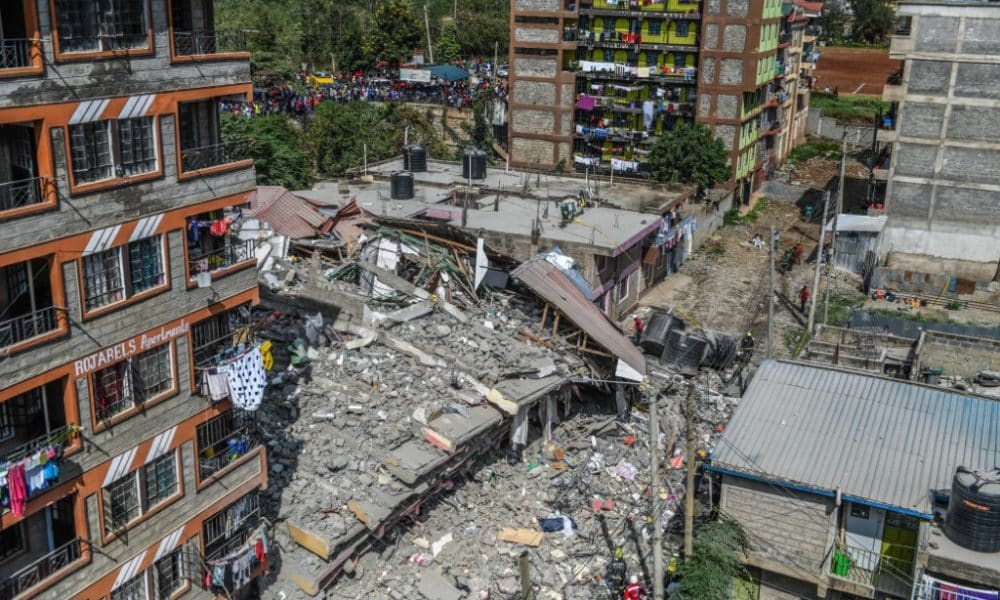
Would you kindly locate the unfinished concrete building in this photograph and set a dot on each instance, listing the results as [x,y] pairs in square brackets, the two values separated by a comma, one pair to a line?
[941,146]
[110,156]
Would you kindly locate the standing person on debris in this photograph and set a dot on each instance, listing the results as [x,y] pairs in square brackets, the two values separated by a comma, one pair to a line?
[634,591]
[799,250]
[639,328]
[615,574]
[804,296]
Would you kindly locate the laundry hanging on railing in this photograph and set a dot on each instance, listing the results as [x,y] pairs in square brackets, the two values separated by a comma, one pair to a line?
[241,377]
[234,570]
[33,472]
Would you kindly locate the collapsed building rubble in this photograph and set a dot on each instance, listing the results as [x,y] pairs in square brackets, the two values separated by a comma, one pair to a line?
[428,430]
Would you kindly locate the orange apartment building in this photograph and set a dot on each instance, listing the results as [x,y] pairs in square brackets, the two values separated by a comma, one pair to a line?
[119,478]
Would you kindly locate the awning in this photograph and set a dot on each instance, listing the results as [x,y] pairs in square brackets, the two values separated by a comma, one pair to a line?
[447,73]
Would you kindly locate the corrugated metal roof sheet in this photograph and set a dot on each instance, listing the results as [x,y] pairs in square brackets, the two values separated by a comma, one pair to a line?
[862,223]
[554,287]
[880,440]
[285,212]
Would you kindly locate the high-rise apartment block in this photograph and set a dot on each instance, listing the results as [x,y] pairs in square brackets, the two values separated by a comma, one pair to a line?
[594,82]
[120,282]
[940,142]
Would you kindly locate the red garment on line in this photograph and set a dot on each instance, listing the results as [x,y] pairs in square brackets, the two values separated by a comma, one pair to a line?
[18,490]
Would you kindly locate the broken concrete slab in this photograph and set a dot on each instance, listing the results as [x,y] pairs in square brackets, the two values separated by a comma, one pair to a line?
[411,312]
[435,586]
[451,430]
[414,460]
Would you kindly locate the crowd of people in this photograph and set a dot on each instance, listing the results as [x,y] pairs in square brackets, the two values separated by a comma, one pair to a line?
[302,95]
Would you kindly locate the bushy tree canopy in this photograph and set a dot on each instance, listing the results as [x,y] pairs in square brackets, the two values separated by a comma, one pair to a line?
[873,20]
[395,32]
[689,154]
[277,154]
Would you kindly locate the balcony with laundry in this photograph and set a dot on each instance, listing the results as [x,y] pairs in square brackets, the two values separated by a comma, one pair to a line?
[194,35]
[41,548]
[628,113]
[874,552]
[647,33]
[652,66]
[224,442]
[28,305]
[20,46]
[214,245]
[673,9]
[883,159]
[235,550]
[37,422]
[892,91]
[215,341]
[25,186]
[888,124]
[203,149]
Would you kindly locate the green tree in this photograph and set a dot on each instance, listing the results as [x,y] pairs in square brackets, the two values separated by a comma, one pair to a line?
[478,31]
[833,21]
[873,20]
[691,155]
[711,571]
[338,133]
[480,133]
[447,49]
[395,33]
[278,157]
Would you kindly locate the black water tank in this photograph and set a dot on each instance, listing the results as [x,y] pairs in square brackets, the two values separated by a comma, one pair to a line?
[654,336]
[415,158]
[683,351]
[973,519]
[401,185]
[473,164]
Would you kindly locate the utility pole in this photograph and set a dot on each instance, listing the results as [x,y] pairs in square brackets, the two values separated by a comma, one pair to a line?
[496,56]
[770,293]
[819,262]
[427,24]
[689,490]
[836,215]
[654,457]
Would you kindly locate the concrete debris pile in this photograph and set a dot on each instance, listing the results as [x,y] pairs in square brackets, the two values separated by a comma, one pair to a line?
[424,432]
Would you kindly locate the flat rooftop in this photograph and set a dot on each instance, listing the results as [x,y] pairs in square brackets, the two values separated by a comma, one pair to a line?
[523,197]
[948,558]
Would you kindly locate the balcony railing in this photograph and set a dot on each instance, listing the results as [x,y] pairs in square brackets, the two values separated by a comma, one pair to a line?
[16,330]
[41,569]
[16,54]
[193,159]
[18,194]
[232,254]
[872,569]
[895,78]
[61,436]
[219,455]
[194,43]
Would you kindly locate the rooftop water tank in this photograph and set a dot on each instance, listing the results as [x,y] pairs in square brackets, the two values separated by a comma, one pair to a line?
[473,164]
[401,185]
[415,158]
[973,519]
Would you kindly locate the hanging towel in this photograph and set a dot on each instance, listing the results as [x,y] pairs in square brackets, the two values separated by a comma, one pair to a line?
[585,102]
[218,383]
[647,114]
[247,380]
[18,490]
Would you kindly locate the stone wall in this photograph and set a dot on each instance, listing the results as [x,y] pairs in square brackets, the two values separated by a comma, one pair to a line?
[783,525]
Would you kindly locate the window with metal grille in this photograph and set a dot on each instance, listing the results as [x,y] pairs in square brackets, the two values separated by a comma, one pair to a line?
[95,25]
[137,145]
[228,527]
[145,258]
[161,479]
[652,58]
[103,283]
[12,541]
[122,502]
[215,333]
[133,589]
[138,379]
[680,59]
[168,574]
[683,28]
[90,149]
[655,26]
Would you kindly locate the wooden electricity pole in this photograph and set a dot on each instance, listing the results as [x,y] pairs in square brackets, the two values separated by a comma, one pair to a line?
[770,293]
[689,490]
[654,458]
[819,263]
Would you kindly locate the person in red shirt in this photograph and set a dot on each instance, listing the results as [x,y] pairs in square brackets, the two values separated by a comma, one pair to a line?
[799,250]
[634,591]
[804,296]
[639,328]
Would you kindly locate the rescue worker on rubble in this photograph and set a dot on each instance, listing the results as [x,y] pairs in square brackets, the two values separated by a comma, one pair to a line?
[746,346]
[799,251]
[804,296]
[639,328]
[634,591]
[615,574]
